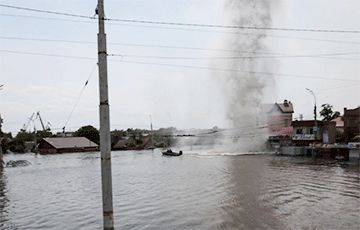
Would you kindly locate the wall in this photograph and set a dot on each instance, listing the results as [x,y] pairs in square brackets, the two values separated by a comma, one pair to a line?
[351,123]
[46,148]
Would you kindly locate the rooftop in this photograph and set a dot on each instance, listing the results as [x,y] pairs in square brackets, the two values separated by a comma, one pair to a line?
[339,121]
[286,107]
[70,142]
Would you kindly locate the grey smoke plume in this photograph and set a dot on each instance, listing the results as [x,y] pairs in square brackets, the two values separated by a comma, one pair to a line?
[244,91]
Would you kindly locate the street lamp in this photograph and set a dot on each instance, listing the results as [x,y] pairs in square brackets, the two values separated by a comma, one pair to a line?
[316,125]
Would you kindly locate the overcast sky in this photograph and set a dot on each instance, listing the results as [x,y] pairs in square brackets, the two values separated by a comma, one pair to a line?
[174,96]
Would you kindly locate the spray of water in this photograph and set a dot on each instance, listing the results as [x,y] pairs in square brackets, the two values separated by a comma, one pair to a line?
[244,90]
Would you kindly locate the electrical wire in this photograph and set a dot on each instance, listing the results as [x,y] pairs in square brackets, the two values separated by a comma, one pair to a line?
[323,91]
[47,55]
[46,11]
[130,44]
[277,55]
[240,71]
[79,97]
[189,29]
[237,57]
[189,67]
[183,24]
[48,18]
[233,26]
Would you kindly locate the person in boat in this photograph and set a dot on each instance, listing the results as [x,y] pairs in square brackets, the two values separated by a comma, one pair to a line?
[169,151]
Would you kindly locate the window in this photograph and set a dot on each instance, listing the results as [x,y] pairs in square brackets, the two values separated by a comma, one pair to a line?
[311,130]
[299,131]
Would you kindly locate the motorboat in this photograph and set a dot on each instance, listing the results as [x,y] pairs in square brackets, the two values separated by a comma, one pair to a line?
[169,152]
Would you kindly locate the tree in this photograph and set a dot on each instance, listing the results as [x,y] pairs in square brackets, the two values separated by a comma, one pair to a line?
[89,132]
[24,136]
[40,134]
[327,112]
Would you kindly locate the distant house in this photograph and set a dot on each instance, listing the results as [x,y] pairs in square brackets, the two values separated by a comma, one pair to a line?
[307,132]
[339,124]
[55,145]
[279,118]
[351,123]
[134,143]
[66,134]
[124,143]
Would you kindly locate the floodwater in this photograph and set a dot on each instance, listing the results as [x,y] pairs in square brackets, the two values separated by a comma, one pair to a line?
[194,191]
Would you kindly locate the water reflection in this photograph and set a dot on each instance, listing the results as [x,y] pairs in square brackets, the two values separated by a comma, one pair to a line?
[244,207]
[195,191]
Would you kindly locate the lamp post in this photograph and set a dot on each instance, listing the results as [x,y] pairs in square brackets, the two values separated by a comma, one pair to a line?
[315,113]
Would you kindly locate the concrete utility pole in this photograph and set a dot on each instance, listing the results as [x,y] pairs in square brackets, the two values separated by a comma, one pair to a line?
[1,156]
[1,153]
[105,141]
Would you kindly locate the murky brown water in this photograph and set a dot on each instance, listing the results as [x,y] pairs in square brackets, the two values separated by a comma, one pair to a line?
[195,191]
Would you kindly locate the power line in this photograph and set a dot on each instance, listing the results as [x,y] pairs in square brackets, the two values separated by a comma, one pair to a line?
[190,29]
[277,55]
[46,11]
[79,97]
[186,66]
[235,57]
[48,18]
[132,44]
[233,26]
[240,71]
[184,24]
[47,55]
[322,91]
[239,33]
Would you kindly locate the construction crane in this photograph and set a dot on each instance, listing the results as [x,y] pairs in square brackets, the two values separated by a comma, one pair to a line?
[48,126]
[41,121]
[30,119]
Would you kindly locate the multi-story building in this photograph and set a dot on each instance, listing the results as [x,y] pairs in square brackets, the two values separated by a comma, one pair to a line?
[310,132]
[279,118]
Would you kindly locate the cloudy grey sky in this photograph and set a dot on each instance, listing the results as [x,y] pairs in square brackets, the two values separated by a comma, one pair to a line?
[174,96]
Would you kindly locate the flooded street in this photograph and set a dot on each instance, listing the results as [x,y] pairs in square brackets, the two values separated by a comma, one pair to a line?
[194,191]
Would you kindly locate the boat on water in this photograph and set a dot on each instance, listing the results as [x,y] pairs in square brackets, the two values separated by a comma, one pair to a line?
[169,152]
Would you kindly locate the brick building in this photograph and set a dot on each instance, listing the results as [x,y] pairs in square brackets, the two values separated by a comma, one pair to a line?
[351,123]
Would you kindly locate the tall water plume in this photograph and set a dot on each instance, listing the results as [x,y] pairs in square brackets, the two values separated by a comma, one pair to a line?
[244,89]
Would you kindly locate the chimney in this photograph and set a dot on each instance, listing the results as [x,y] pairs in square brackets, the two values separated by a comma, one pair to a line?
[285,103]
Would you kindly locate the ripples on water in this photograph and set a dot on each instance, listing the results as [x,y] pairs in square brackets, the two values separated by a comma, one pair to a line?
[194,191]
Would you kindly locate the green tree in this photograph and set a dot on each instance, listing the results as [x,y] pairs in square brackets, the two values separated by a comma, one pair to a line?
[40,134]
[89,132]
[327,112]
[23,136]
